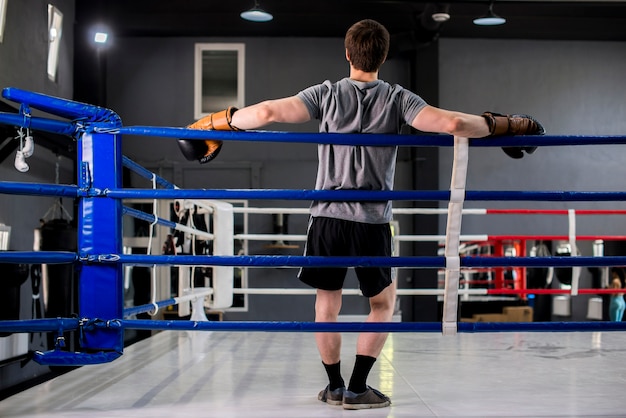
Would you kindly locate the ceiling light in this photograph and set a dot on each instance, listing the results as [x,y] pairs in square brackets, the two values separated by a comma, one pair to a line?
[100,37]
[256,14]
[491,19]
[441,13]
[440,17]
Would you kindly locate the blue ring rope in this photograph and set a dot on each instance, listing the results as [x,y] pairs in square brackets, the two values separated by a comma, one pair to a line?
[33,189]
[361,195]
[63,257]
[62,107]
[316,261]
[370,139]
[39,325]
[40,124]
[72,324]
[471,327]
[33,257]
[136,310]
[138,214]
[145,173]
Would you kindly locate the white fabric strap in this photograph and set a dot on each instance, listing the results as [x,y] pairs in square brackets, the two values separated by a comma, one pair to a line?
[453,234]
[571,218]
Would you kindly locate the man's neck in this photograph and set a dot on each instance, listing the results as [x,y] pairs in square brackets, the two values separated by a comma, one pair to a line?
[359,75]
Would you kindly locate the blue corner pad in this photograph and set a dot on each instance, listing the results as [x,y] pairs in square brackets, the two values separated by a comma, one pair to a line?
[67,358]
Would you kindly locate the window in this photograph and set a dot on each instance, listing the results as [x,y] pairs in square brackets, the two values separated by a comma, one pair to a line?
[3,13]
[218,78]
[55,30]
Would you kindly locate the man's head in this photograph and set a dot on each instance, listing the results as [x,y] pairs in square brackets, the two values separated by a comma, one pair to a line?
[367,45]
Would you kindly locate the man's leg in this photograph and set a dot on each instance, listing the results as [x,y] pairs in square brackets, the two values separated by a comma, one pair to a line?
[381,310]
[327,307]
[369,347]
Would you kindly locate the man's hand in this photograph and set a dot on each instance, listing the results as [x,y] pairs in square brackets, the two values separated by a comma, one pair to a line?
[513,125]
[205,151]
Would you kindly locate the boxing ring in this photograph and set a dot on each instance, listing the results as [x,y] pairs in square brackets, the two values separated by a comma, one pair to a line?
[185,370]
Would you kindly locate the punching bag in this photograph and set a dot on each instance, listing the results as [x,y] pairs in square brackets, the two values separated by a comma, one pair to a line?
[13,276]
[61,286]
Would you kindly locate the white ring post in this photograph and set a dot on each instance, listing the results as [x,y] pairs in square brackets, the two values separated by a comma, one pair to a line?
[453,233]
[571,217]
[223,277]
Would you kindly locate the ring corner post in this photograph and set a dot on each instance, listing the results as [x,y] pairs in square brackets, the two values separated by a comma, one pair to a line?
[100,232]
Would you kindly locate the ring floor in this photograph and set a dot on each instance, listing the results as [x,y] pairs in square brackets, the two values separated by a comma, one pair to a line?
[279,374]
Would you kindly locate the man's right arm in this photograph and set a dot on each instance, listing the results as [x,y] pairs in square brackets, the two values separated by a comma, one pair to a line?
[436,120]
[433,119]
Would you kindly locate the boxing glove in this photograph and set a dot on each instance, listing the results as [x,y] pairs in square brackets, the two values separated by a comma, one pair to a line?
[205,151]
[513,125]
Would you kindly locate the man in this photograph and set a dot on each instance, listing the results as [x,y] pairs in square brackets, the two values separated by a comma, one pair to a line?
[360,103]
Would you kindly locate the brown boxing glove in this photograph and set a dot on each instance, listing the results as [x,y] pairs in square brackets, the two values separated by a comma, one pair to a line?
[205,151]
[513,125]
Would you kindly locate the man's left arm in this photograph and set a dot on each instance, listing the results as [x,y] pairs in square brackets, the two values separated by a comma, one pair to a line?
[286,110]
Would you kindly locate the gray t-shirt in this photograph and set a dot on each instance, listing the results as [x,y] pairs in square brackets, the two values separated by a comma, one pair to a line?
[350,106]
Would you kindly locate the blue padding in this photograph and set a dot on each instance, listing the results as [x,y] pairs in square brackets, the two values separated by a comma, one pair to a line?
[68,358]
[316,261]
[39,124]
[34,189]
[61,107]
[44,257]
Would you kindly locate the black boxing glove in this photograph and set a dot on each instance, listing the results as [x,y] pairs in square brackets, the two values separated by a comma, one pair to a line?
[513,125]
[205,151]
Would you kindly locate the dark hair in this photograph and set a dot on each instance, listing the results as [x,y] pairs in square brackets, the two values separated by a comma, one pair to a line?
[620,273]
[367,43]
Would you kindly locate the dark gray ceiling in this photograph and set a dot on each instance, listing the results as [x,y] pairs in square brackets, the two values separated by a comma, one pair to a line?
[530,19]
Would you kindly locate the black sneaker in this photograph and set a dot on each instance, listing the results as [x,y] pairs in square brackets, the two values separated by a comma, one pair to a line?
[371,398]
[332,397]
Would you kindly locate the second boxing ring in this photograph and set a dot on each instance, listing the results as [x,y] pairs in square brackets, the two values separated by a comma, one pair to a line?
[100,258]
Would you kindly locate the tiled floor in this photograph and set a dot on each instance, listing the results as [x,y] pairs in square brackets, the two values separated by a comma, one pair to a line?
[259,374]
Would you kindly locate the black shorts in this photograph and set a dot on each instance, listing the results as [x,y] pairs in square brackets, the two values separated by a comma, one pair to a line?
[340,238]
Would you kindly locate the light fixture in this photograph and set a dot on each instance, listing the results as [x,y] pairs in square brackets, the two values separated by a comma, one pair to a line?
[491,19]
[441,13]
[100,37]
[256,14]
[3,13]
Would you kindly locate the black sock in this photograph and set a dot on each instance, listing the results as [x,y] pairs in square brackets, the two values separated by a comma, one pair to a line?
[334,375]
[362,367]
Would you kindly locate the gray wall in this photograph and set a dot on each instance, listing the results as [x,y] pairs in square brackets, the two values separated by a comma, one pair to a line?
[573,88]
[23,60]
[23,56]
[24,49]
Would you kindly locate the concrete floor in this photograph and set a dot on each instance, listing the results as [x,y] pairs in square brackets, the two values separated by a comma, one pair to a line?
[263,374]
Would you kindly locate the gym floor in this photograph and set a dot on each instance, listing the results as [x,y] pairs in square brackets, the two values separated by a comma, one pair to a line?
[263,374]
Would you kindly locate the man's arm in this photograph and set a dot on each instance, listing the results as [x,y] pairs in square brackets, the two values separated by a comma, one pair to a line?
[286,110]
[433,119]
